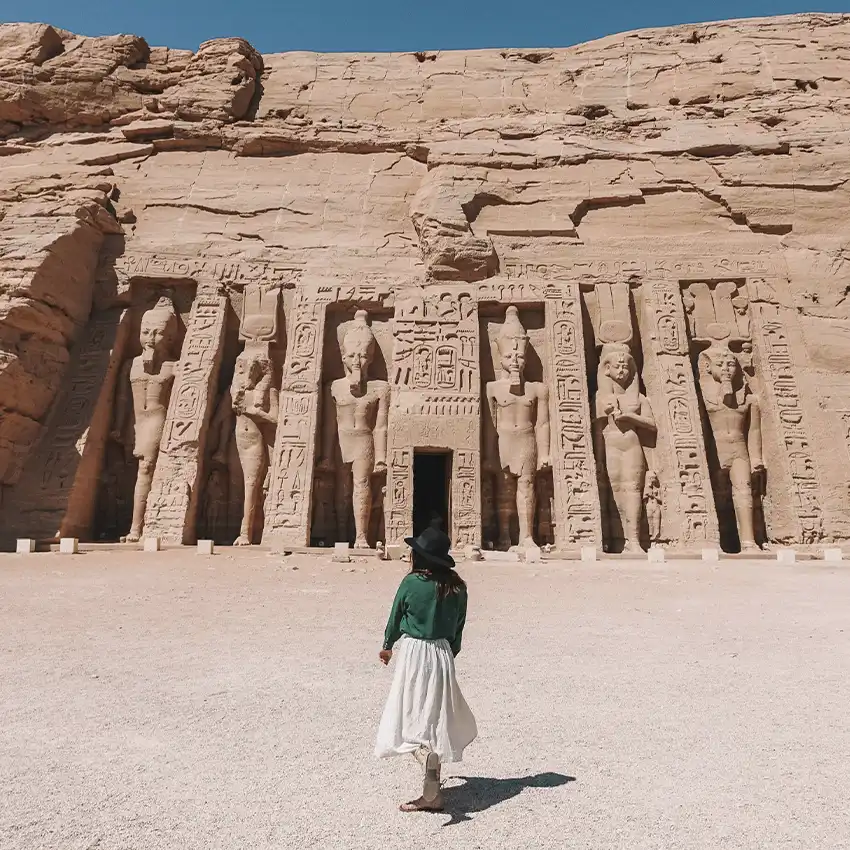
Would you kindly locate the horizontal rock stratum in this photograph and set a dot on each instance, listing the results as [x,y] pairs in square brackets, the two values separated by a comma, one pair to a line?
[669,203]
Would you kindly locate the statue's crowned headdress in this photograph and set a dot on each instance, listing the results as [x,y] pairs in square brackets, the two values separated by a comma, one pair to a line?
[512,334]
[359,334]
[161,314]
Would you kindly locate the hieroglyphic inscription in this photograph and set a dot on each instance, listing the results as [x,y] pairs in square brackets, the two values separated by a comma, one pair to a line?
[288,500]
[235,273]
[574,467]
[466,501]
[691,489]
[172,503]
[653,268]
[436,404]
[57,491]
[777,367]
[399,507]
[436,344]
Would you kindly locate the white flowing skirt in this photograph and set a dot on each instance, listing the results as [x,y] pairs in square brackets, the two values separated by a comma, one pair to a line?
[425,705]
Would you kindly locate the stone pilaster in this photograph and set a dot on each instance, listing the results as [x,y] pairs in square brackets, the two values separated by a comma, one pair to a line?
[287,505]
[793,478]
[577,513]
[690,516]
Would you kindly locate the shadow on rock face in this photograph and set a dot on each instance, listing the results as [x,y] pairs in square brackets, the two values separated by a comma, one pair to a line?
[479,793]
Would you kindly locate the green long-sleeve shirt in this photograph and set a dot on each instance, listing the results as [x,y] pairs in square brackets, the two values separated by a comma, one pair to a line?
[417,612]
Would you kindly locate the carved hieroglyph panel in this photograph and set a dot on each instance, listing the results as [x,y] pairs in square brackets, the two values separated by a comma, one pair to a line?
[293,459]
[435,375]
[577,511]
[680,418]
[58,489]
[782,399]
[172,503]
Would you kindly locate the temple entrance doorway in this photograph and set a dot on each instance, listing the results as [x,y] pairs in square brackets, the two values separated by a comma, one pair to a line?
[432,470]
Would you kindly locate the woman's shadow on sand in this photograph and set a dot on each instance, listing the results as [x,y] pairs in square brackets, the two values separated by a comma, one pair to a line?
[479,793]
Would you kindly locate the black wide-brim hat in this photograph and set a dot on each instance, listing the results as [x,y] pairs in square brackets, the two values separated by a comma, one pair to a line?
[433,546]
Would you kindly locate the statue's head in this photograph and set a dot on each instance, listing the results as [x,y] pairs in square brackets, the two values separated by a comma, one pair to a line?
[719,363]
[358,349]
[617,363]
[512,343]
[158,330]
[250,368]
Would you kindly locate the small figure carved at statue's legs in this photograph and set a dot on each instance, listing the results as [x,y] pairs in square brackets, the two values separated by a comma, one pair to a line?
[252,456]
[506,503]
[361,500]
[525,509]
[144,478]
[742,501]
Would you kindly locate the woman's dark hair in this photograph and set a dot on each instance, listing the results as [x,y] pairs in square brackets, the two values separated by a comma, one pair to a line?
[447,580]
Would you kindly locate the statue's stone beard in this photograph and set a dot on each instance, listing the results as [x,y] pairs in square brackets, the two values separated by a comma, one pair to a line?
[149,358]
[515,378]
[354,379]
[726,387]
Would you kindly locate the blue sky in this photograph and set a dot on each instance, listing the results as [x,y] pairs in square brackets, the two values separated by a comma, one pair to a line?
[273,26]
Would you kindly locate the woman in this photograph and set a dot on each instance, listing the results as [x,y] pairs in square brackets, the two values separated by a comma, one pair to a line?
[426,714]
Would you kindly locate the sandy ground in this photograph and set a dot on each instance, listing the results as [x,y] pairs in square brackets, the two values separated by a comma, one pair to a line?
[173,700]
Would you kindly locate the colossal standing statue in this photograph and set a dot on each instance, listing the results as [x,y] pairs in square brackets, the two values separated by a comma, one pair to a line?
[520,413]
[255,402]
[621,415]
[151,377]
[735,418]
[361,413]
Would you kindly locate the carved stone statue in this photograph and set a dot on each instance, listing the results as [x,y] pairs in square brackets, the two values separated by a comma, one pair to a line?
[652,506]
[357,409]
[621,416]
[151,378]
[735,418]
[520,413]
[255,402]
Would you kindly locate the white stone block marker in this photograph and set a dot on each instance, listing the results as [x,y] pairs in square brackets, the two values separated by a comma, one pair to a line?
[786,556]
[151,544]
[833,554]
[25,545]
[205,547]
[69,545]
[588,553]
[711,554]
[340,555]
[655,555]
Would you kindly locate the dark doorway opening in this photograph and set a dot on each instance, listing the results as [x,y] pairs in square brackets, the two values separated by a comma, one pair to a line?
[432,472]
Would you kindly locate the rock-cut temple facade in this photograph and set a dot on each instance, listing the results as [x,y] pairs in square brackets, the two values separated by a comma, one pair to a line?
[594,296]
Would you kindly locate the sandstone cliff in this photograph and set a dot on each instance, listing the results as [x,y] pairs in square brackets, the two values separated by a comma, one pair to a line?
[426,166]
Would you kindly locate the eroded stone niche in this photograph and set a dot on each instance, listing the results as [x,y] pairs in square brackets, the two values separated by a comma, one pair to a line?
[154,328]
[499,510]
[350,478]
[242,429]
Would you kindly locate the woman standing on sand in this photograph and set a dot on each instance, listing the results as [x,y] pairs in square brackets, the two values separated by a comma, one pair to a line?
[426,714]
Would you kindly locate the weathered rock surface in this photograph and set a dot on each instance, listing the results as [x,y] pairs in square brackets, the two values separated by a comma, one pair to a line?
[415,168]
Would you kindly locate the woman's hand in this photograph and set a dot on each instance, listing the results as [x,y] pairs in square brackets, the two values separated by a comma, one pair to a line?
[385,655]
